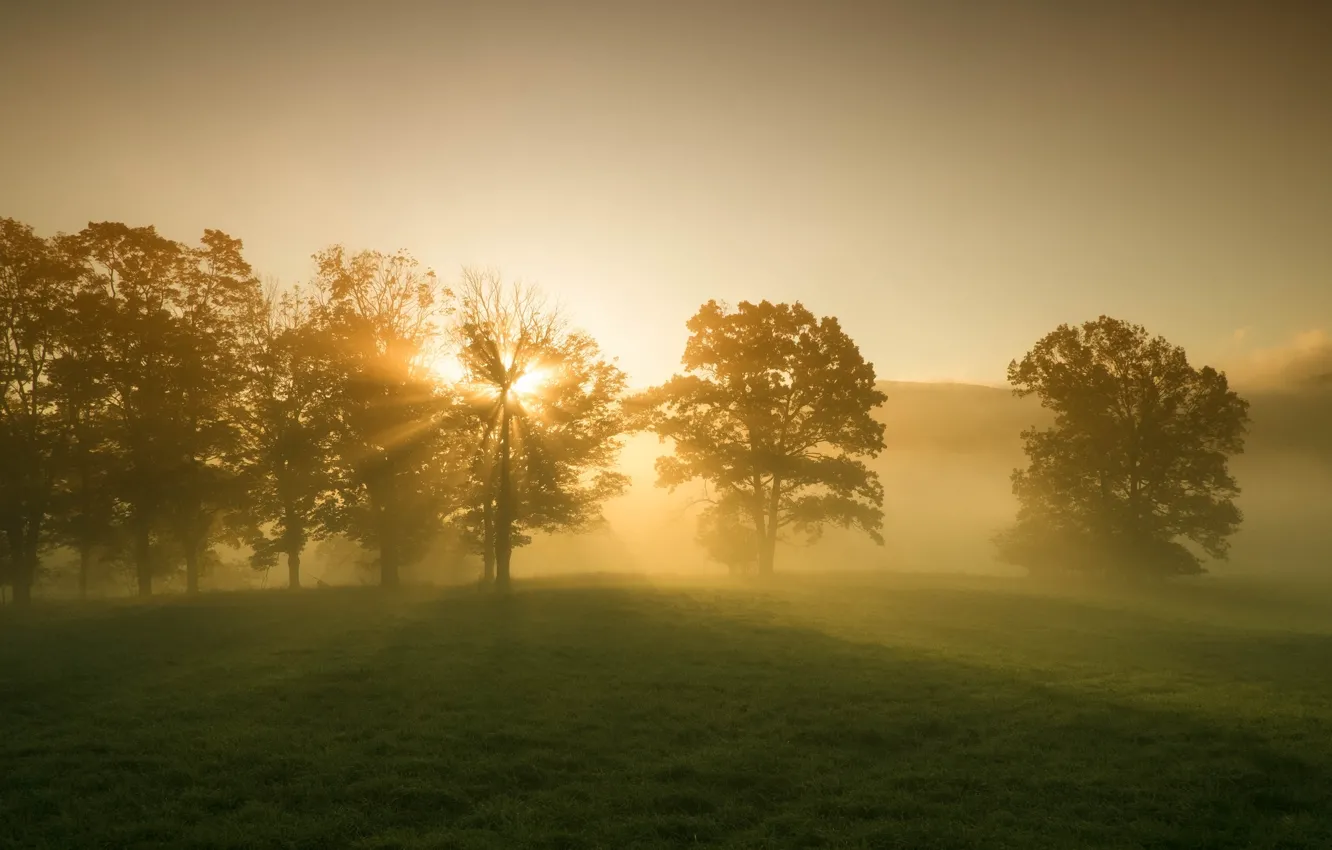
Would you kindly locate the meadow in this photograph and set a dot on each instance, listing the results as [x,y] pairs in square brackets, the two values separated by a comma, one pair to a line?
[892,711]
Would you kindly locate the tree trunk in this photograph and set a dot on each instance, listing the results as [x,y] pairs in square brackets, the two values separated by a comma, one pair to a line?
[85,566]
[22,588]
[504,506]
[765,559]
[294,570]
[25,574]
[488,541]
[383,496]
[191,570]
[143,564]
[768,553]
[388,554]
[759,512]
[24,567]
[388,563]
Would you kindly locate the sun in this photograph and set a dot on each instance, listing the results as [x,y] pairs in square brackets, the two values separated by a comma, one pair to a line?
[449,368]
[530,382]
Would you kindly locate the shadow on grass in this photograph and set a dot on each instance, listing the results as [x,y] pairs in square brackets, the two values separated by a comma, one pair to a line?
[610,717]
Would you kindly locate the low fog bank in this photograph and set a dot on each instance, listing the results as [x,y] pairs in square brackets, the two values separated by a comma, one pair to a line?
[951,449]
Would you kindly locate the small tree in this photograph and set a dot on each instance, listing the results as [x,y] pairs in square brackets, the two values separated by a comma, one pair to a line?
[1136,459]
[723,534]
[774,412]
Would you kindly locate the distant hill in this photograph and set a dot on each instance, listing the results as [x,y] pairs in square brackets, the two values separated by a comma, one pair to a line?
[974,418]
[955,417]
[1295,421]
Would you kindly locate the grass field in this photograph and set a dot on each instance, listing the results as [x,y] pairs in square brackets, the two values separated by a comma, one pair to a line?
[900,711]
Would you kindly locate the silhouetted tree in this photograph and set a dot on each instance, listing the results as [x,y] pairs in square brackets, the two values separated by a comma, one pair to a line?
[137,272]
[87,513]
[723,534]
[546,413]
[174,376]
[1135,461]
[773,412]
[289,433]
[36,288]
[379,318]
[217,300]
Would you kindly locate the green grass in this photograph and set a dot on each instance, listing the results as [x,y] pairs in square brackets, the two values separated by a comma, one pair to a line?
[901,711]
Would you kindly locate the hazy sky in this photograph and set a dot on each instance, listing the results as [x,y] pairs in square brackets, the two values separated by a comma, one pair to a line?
[952,179]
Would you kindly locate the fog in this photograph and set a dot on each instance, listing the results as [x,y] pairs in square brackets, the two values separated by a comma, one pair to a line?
[951,448]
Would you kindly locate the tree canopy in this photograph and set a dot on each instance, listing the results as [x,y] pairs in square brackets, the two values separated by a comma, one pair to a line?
[1135,463]
[378,319]
[773,413]
[546,419]
[157,402]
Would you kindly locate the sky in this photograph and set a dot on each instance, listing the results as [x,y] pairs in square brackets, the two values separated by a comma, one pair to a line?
[951,179]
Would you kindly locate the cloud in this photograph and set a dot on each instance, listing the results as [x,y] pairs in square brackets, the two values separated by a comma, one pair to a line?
[1303,361]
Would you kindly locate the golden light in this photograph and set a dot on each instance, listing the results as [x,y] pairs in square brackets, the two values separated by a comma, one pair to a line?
[530,382]
[447,367]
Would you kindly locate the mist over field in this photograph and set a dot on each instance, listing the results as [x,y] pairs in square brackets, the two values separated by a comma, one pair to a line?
[950,450]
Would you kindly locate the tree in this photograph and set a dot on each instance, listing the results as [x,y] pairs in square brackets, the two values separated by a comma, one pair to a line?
[35,290]
[774,412]
[134,274]
[723,535]
[379,319]
[173,378]
[87,513]
[1135,462]
[217,301]
[546,419]
[288,432]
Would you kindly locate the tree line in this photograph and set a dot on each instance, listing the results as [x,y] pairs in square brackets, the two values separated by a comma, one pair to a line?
[159,401]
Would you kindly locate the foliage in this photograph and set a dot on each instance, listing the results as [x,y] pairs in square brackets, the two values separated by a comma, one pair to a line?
[774,412]
[172,378]
[287,431]
[157,403]
[88,515]
[378,321]
[36,288]
[1135,462]
[544,414]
